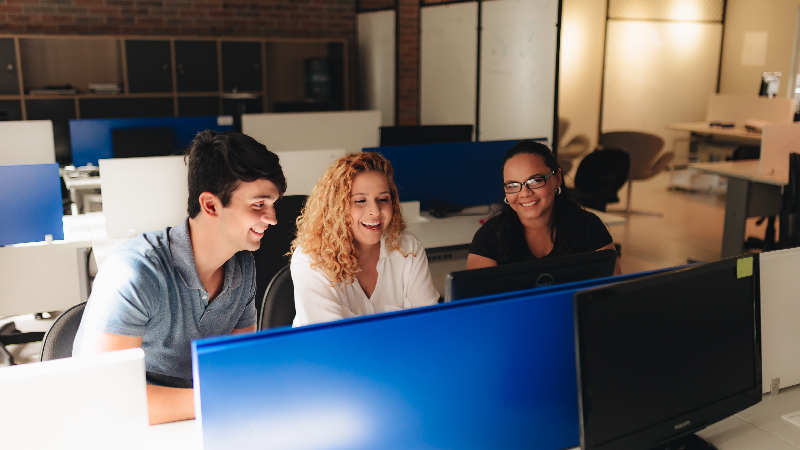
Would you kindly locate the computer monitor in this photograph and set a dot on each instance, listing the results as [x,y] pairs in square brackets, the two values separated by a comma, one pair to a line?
[662,357]
[425,134]
[528,275]
[142,142]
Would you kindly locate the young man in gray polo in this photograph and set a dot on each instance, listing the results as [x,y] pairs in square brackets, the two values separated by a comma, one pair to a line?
[162,289]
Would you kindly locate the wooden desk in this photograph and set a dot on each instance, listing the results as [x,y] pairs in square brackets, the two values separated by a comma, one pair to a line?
[750,194]
[702,132]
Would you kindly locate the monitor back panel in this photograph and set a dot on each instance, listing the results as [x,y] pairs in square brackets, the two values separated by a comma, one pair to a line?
[303,168]
[780,335]
[142,142]
[97,401]
[425,134]
[143,194]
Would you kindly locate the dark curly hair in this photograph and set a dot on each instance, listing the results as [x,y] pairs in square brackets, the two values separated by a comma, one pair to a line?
[219,162]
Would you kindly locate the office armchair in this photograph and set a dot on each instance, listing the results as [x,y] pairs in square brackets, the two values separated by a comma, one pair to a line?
[277,308]
[601,174]
[643,149]
[271,256]
[576,147]
[57,343]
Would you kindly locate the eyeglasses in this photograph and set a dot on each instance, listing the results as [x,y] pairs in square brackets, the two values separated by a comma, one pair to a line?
[535,182]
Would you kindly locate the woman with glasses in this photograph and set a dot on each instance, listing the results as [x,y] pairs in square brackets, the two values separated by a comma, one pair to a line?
[353,255]
[537,220]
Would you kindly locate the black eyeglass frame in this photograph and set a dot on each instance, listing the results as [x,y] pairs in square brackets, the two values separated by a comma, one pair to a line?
[527,183]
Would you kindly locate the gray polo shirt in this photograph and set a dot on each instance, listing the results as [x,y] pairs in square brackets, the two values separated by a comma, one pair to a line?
[149,287]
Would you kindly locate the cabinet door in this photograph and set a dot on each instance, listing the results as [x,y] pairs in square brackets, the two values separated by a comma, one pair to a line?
[9,84]
[241,66]
[196,66]
[149,66]
[198,106]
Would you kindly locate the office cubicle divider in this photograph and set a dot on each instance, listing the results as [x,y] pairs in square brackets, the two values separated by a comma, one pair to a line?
[27,142]
[92,141]
[466,173]
[493,372]
[30,199]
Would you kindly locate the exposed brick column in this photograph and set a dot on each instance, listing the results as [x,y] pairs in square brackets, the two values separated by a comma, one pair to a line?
[407,83]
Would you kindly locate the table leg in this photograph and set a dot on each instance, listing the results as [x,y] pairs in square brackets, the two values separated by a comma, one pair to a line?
[735,217]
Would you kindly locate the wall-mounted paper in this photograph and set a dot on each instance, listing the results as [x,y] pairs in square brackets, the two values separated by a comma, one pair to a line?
[754,50]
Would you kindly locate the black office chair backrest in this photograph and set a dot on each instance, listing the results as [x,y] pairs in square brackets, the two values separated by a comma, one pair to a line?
[743,152]
[271,256]
[277,308]
[600,175]
[57,343]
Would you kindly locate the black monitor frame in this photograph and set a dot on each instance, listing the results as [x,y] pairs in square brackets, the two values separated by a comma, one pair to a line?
[425,134]
[662,433]
[530,274]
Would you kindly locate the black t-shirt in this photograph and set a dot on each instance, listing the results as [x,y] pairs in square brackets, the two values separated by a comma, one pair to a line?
[580,231]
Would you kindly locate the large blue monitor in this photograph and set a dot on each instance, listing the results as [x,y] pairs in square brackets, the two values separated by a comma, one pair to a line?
[492,372]
[30,201]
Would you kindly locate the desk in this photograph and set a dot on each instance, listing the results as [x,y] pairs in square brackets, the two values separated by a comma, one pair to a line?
[759,426]
[702,132]
[750,194]
[75,184]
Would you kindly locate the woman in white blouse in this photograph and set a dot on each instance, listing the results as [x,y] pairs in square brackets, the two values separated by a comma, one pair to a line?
[352,255]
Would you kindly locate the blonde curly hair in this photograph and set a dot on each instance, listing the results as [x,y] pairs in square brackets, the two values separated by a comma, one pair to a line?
[323,228]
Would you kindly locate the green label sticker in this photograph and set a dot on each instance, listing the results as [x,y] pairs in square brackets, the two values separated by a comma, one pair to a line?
[744,267]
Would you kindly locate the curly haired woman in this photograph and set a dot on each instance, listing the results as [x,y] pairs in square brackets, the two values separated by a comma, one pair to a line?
[352,255]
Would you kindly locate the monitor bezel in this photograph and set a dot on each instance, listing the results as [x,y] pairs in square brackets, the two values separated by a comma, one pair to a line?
[525,268]
[699,418]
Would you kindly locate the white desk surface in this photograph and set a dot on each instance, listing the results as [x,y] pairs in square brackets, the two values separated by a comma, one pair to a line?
[705,128]
[747,170]
[759,426]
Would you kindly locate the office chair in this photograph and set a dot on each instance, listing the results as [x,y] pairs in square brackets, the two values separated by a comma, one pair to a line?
[601,174]
[643,149]
[271,256]
[277,308]
[789,231]
[57,343]
[568,152]
[750,152]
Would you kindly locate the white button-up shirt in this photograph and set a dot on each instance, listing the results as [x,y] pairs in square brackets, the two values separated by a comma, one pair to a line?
[403,282]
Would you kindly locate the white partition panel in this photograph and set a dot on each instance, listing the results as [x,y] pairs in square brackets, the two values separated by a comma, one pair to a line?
[27,142]
[657,73]
[42,277]
[777,141]
[303,168]
[376,71]
[350,130]
[780,308]
[448,63]
[143,194]
[738,108]
[518,66]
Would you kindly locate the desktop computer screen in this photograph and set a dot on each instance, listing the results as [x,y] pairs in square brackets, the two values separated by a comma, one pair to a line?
[528,275]
[662,357]
[425,134]
[142,142]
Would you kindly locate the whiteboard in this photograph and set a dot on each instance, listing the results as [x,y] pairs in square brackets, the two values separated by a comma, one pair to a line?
[376,71]
[350,130]
[518,69]
[657,73]
[143,194]
[448,64]
[304,168]
[27,142]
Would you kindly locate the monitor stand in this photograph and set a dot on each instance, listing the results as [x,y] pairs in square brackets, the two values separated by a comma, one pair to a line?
[690,442]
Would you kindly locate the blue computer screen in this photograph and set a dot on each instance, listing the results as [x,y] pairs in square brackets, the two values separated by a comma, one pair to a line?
[493,372]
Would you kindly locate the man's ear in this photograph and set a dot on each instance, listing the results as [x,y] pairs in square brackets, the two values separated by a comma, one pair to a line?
[210,204]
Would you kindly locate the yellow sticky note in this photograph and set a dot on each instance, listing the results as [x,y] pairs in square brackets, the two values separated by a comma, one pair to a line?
[744,267]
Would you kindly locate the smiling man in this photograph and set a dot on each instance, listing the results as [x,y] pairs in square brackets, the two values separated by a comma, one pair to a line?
[162,289]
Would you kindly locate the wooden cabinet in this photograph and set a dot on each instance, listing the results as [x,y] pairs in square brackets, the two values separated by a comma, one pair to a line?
[241,66]
[9,80]
[149,66]
[196,66]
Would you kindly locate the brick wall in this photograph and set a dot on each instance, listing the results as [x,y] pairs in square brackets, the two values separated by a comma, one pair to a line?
[254,18]
[407,83]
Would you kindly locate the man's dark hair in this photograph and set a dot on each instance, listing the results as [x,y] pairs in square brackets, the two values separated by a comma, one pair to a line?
[218,162]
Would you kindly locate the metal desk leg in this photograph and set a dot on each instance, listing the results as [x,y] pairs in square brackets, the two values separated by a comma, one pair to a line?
[735,217]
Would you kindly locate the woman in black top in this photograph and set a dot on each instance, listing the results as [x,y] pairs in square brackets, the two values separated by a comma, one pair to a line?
[537,221]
